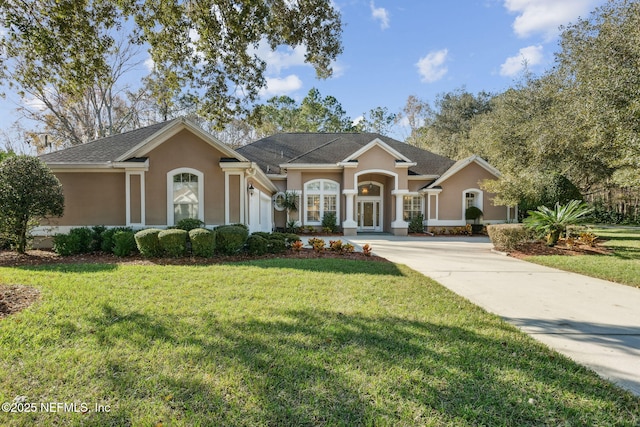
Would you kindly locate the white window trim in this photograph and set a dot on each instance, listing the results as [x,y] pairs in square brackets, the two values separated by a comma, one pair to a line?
[128,199]
[170,175]
[421,203]
[479,200]
[321,193]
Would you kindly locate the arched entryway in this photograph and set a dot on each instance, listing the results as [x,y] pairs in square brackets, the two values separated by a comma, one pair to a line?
[370,206]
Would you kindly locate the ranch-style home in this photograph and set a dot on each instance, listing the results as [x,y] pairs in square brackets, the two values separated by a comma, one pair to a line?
[159,174]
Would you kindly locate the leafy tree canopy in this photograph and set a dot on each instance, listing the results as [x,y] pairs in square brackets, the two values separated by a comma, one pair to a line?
[314,114]
[202,47]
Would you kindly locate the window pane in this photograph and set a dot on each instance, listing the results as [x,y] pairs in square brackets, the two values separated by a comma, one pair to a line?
[185,196]
[313,208]
[330,203]
[330,186]
[313,186]
[412,207]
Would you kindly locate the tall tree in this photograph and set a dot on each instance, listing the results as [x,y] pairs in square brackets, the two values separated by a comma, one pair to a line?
[414,115]
[378,120]
[600,61]
[314,114]
[447,130]
[199,47]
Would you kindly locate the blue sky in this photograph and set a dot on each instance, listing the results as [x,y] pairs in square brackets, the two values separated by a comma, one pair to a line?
[397,48]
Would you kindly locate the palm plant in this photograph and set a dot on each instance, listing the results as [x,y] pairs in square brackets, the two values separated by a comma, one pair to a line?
[553,222]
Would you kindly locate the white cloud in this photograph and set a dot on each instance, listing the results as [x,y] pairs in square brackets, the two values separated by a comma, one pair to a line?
[380,14]
[34,104]
[431,67]
[281,86]
[529,56]
[149,64]
[280,59]
[545,16]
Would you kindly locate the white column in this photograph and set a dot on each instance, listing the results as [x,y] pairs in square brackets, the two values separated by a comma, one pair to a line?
[399,221]
[349,222]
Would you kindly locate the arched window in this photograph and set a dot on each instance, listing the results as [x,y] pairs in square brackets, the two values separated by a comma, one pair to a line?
[471,197]
[184,195]
[321,196]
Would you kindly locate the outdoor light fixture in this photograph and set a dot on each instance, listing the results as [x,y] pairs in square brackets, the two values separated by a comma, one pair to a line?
[251,189]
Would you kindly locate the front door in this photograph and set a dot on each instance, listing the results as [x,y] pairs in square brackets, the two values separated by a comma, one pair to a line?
[369,215]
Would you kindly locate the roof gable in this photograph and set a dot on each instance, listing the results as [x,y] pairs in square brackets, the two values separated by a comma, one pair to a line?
[278,151]
[461,164]
[130,145]
[378,143]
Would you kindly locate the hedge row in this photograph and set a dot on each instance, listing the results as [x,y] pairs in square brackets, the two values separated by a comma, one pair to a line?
[507,237]
[174,242]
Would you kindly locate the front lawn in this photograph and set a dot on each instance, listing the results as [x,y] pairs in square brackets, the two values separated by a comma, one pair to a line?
[622,266]
[279,343]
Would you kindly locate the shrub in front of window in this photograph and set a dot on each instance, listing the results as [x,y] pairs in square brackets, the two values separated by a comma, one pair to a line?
[416,224]
[507,237]
[148,242]
[203,242]
[230,239]
[124,243]
[188,224]
[173,242]
[257,245]
[330,222]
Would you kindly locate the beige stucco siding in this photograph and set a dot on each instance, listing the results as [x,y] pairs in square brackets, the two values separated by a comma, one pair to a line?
[92,198]
[184,150]
[451,197]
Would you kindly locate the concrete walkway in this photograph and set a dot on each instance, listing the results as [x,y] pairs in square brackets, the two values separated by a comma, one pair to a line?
[592,321]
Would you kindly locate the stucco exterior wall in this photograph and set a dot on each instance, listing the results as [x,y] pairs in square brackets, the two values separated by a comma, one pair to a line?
[451,197]
[184,150]
[92,198]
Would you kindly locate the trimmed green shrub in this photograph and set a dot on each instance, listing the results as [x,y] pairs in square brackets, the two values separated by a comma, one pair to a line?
[66,244]
[124,243]
[173,242]
[230,239]
[85,239]
[263,234]
[416,224]
[98,231]
[148,242]
[188,224]
[473,213]
[256,245]
[330,221]
[277,244]
[507,237]
[106,244]
[203,242]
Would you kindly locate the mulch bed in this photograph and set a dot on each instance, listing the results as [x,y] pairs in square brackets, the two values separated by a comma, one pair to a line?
[14,298]
[540,248]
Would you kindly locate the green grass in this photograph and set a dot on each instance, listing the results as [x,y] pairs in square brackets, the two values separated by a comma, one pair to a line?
[280,343]
[622,266]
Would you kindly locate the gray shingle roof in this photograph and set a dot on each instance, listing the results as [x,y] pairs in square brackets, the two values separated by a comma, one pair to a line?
[104,150]
[330,148]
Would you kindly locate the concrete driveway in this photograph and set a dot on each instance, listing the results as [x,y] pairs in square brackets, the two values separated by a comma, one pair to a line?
[592,321]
